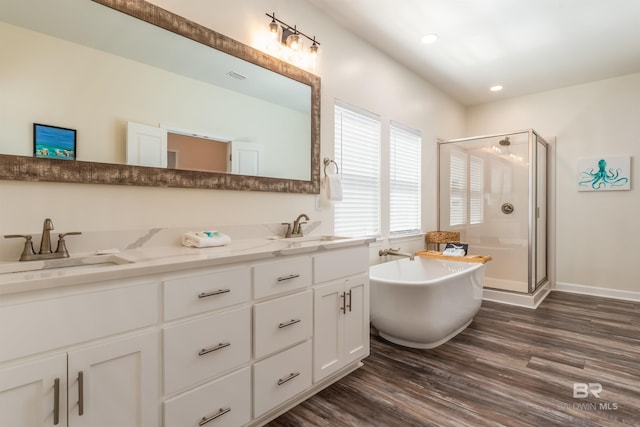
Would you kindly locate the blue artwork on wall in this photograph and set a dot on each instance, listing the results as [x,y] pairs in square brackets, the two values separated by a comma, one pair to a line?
[54,142]
[604,173]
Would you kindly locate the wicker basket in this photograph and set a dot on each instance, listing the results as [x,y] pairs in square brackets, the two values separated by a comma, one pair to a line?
[442,237]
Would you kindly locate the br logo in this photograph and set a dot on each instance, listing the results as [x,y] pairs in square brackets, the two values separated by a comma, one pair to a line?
[582,390]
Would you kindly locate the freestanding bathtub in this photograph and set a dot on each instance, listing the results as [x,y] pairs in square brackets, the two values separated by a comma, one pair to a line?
[425,302]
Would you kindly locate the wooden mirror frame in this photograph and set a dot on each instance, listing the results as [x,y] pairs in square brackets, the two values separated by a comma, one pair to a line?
[23,168]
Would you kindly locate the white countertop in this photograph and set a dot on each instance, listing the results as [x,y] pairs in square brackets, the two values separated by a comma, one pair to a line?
[153,260]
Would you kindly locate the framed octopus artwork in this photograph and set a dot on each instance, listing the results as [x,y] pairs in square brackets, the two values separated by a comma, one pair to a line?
[604,173]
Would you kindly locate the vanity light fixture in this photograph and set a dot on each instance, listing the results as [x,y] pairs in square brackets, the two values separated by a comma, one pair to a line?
[286,42]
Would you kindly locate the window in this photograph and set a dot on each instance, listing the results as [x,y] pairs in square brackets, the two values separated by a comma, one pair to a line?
[357,151]
[457,188]
[466,193]
[404,183]
[476,190]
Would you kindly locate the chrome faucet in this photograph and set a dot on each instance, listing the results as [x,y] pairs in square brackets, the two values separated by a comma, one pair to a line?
[296,229]
[396,252]
[29,254]
[45,242]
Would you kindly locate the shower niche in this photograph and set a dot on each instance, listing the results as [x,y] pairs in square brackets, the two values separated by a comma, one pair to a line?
[493,190]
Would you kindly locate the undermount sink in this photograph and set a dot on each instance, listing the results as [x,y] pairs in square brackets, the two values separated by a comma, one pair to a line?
[312,240]
[92,261]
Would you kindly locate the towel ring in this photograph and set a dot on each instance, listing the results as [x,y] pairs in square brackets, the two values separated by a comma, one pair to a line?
[327,161]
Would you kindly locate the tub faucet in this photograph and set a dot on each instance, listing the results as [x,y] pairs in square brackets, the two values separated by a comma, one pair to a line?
[396,252]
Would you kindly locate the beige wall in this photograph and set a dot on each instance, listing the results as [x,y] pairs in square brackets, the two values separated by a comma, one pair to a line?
[596,232]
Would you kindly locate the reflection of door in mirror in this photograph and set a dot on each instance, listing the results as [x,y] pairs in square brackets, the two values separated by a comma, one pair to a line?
[146,145]
[247,158]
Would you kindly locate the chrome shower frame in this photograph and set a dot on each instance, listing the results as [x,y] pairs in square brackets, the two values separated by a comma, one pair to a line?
[533,208]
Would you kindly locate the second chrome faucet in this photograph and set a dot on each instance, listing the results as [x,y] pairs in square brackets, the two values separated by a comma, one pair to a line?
[296,229]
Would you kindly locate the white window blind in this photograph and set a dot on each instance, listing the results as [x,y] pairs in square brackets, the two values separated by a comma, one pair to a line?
[357,151]
[404,183]
[457,188]
[476,190]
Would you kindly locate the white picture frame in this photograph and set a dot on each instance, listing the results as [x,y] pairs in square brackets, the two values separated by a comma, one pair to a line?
[605,173]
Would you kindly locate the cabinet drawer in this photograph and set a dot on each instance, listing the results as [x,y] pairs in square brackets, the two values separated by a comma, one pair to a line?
[275,277]
[57,322]
[226,399]
[208,291]
[203,348]
[281,377]
[340,263]
[282,322]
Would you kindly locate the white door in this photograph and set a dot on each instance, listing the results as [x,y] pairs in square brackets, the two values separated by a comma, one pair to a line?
[328,332]
[35,394]
[356,324]
[247,158]
[146,145]
[115,383]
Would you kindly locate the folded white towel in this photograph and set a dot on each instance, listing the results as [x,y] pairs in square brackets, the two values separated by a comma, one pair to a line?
[332,187]
[205,239]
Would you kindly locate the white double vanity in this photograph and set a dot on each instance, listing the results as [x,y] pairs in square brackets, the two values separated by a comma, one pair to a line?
[179,337]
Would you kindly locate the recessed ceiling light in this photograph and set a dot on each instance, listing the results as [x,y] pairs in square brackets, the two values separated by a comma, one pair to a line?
[495,88]
[429,38]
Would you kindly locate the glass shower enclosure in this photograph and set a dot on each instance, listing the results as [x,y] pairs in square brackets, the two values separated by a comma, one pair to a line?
[493,190]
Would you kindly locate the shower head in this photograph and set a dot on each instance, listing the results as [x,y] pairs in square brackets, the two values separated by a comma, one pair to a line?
[505,142]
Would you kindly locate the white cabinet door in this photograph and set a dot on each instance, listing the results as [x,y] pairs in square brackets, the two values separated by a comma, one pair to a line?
[328,329]
[115,383]
[356,325]
[34,394]
[341,324]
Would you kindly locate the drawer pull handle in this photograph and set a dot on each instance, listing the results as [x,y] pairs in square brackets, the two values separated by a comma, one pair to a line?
[343,297]
[80,393]
[350,296]
[56,401]
[289,323]
[214,348]
[220,413]
[289,277]
[288,378]
[210,294]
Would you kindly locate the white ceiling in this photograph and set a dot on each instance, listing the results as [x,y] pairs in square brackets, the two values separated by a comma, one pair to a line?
[527,46]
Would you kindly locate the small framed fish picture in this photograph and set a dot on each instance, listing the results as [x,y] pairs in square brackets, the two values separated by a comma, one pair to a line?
[604,173]
[53,142]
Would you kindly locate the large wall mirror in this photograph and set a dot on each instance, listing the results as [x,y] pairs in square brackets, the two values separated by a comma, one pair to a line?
[155,99]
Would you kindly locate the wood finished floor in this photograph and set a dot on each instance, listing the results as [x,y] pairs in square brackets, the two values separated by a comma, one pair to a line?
[511,367]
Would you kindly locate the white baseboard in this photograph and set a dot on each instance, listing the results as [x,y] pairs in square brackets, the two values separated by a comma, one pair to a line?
[517,298]
[598,292]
